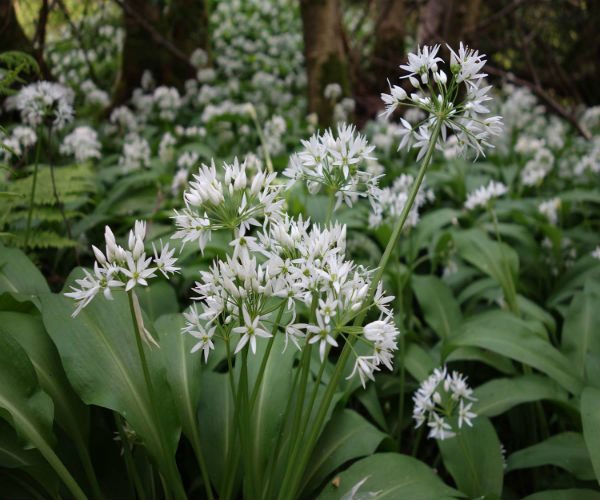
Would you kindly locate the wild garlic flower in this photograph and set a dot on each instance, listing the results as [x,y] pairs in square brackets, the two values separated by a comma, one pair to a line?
[187,160]
[291,262]
[535,170]
[596,253]
[136,153]
[25,136]
[550,209]
[227,199]
[483,194]
[45,102]
[168,102]
[443,402]
[456,101]
[166,147]
[124,119]
[337,163]
[83,143]
[118,267]
[388,203]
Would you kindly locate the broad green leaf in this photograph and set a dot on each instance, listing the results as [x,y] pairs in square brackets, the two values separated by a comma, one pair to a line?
[158,299]
[184,371]
[18,274]
[566,450]
[497,361]
[370,400]
[530,309]
[573,280]
[489,257]
[440,308]
[590,417]
[388,476]
[418,362]
[345,437]
[501,394]
[581,326]
[579,494]
[474,459]
[99,354]
[215,417]
[503,333]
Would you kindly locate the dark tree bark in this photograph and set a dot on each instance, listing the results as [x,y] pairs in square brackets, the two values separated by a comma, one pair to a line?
[160,41]
[325,54]
[12,36]
[448,21]
[388,52]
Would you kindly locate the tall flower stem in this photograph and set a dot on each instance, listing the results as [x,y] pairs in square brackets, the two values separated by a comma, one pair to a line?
[346,351]
[33,185]
[171,473]
[60,205]
[131,469]
[261,136]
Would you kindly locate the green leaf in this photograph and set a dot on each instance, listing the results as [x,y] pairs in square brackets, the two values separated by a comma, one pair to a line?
[19,275]
[590,417]
[580,329]
[474,459]
[346,436]
[440,308]
[388,476]
[369,399]
[573,279]
[487,255]
[70,413]
[505,334]
[99,354]
[215,415]
[579,494]
[418,362]
[158,299]
[566,450]
[501,394]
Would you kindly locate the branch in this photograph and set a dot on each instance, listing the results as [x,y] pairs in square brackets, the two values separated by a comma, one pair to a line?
[154,33]
[560,110]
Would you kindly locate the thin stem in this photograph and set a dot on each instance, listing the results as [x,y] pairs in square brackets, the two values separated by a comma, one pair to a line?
[401,399]
[346,351]
[261,136]
[131,468]
[56,197]
[330,209]
[172,474]
[512,292]
[33,185]
[88,468]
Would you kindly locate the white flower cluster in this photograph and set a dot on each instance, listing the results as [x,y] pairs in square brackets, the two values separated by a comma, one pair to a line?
[596,253]
[440,99]
[337,163]
[273,131]
[388,203]
[20,139]
[233,202]
[83,143]
[550,209]
[536,169]
[119,267]
[332,91]
[93,95]
[124,119]
[589,162]
[166,147]
[136,153]
[300,266]
[442,402]
[168,102]
[45,102]
[187,160]
[483,194]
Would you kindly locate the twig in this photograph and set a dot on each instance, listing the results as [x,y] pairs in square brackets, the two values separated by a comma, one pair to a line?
[154,33]
[544,96]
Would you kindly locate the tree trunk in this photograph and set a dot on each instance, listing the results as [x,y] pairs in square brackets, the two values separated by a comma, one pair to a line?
[388,52]
[448,21]
[160,42]
[325,55]
[12,36]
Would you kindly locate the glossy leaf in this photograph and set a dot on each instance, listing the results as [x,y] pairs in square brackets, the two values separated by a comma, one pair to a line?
[388,476]
[439,306]
[590,417]
[566,450]
[474,459]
